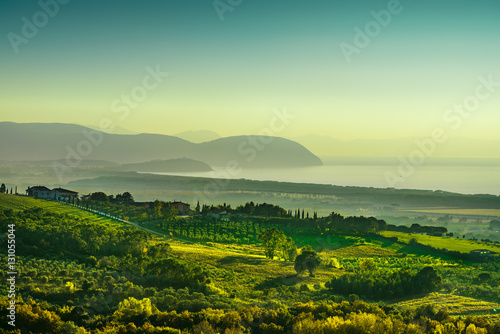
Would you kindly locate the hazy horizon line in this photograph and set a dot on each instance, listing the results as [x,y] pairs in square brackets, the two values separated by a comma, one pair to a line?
[135,132]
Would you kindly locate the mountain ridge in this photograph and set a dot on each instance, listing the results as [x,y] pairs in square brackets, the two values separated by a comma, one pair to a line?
[169,165]
[198,136]
[54,141]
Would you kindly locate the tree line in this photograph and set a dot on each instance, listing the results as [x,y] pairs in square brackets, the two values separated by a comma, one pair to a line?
[39,229]
[5,190]
[385,284]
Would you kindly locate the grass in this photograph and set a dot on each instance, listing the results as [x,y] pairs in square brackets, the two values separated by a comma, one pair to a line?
[454,244]
[456,305]
[250,270]
[373,246]
[341,241]
[367,246]
[362,251]
[20,203]
[455,211]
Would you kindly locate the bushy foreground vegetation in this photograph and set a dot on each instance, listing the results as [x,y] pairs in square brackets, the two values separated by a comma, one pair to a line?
[142,317]
[52,232]
[386,284]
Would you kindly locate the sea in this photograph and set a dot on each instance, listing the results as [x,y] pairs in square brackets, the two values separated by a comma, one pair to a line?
[464,179]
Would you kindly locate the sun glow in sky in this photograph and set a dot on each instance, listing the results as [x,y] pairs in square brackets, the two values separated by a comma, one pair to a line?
[229,75]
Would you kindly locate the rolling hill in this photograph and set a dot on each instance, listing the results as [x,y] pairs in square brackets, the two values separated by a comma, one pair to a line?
[171,165]
[54,141]
[199,136]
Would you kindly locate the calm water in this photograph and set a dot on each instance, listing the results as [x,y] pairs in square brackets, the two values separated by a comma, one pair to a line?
[460,179]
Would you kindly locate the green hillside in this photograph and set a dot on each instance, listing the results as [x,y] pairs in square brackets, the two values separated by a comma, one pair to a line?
[455,244]
[23,203]
[80,272]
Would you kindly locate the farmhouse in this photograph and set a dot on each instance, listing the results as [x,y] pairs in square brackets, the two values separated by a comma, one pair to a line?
[58,194]
[38,192]
[218,214]
[182,208]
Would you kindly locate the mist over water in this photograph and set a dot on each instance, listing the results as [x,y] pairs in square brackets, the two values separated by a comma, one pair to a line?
[459,178]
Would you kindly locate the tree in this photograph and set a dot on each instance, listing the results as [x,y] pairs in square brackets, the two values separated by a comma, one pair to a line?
[335,217]
[159,250]
[132,309]
[168,211]
[368,264]
[484,277]
[2,188]
[247,209]
[307,260]
[99,197]
[273,240]
[126,197]
[157,205]
[289,250]
[427,279]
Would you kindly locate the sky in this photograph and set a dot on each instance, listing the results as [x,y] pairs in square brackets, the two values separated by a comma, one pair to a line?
[348,69]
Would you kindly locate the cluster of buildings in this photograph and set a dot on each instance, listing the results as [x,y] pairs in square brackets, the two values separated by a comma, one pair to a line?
[58,194]
[61,194]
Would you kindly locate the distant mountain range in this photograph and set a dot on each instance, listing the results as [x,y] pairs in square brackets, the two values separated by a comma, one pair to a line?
[171,165]
[54,141]
[199,136]
[117,130]
[194,136]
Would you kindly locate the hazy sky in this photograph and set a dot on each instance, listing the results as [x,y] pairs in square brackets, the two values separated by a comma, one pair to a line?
[229,75]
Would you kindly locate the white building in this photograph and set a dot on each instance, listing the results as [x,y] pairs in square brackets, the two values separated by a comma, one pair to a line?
[58,194]
[39,192]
